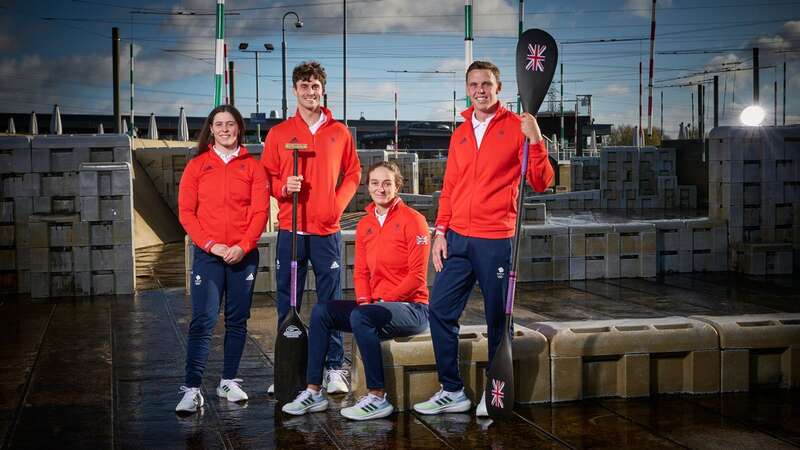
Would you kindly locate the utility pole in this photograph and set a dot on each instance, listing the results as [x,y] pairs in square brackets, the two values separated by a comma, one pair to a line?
[692,113]
[115,71]
[650,77]
[700,111]
[344,61]
[577,103]
[396,126]
[467,38]
[132,130]
[755,76]
[784,91]
[716,100]
[661,138]
[561,138]
[219,59]
[591,123]
[231,98]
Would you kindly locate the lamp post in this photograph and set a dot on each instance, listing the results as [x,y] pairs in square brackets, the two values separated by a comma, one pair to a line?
[297,24]
[268,48]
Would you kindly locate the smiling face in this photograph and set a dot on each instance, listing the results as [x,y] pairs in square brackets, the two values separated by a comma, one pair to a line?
[309,93]
[382,187]
[482,88]
[225,131]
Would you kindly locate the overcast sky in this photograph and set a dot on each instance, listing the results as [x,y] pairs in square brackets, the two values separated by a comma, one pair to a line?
[59,51]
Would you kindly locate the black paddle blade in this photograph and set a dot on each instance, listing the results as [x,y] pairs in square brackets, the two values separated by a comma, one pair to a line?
[499,392]
[537,59]
[291,358]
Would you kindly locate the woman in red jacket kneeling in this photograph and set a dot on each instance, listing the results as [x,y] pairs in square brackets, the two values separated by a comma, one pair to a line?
[391,266]
[222,204]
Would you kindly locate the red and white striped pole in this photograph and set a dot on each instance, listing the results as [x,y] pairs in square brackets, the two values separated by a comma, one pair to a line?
[650,79]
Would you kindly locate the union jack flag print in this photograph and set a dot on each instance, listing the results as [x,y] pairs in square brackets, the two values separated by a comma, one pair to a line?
[536,57]
[497,393]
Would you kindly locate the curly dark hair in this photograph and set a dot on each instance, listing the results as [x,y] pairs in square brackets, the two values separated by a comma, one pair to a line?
[307,69]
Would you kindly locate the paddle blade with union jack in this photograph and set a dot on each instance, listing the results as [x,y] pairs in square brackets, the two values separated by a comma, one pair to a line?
[537,59]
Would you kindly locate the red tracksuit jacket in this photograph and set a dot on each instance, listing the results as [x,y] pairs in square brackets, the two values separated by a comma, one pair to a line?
[331,152]
[479,196]
[392,261]
[223,203]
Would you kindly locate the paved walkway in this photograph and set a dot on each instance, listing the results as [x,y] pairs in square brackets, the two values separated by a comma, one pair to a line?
[102,373]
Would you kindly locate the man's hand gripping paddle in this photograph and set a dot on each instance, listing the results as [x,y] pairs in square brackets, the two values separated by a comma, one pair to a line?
[291,345]
[537,58]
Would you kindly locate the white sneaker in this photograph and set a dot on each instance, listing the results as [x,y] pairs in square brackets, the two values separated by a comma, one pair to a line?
[481,411]
[443,401]
[192,399]
[335,381]
[271,389]
[369,407]
[231,390]
[306,401]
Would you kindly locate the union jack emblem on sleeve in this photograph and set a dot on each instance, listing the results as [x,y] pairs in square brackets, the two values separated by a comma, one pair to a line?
[536,57]
[422,240]
[497,393]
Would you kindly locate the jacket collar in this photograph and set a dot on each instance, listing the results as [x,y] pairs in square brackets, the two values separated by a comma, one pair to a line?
[242,152]
[370,209]
[300,122]
[501,111]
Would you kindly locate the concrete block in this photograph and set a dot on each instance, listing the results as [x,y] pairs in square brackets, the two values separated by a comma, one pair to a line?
[115,208]
[15,154]
[577,268]
[124,282]
[758,349]
[103,283]
[631,357]
[410,371]
[265,280]
[7,233]
[82,283]
[8,259]
[595,267]
[752,171]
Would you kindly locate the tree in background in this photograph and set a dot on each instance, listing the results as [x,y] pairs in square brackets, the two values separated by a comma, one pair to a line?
[623,135]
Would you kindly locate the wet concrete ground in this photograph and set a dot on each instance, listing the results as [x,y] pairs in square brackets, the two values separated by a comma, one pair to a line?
[101,373]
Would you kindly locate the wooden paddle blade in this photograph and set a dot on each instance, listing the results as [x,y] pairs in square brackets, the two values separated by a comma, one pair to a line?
[499,391]
[291,358]
[537,59]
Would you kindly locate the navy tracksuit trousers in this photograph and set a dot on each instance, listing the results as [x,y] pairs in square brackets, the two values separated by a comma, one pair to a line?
[369,324]
[211,278]
[469,259]
[325,257]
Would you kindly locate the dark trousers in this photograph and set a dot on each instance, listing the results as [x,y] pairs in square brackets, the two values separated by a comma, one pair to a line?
[468,260]
[323,252]
[369,324]
[210,279]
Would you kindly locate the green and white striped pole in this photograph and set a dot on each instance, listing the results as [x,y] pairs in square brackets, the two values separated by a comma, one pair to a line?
[467,38]
[219,66]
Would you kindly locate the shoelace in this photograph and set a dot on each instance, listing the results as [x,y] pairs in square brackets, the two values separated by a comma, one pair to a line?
[185,389]
[438,395]
[367,399]
[304,394]
[340,374]
[236,382]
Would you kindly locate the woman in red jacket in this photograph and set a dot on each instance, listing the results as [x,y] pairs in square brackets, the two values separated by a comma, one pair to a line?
[391,266]
[222,203]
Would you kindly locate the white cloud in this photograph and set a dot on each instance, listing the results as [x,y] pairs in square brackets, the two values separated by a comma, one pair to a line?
[615,90]
[641,8]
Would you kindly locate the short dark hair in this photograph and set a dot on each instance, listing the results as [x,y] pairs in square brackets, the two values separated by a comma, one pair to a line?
[392,167]
[483,65]
[308,69]
[205,137]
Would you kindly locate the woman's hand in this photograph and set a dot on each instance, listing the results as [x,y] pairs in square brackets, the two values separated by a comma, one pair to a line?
[233,255]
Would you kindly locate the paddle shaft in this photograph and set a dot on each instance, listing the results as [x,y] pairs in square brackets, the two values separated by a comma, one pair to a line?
[293,288]
[512,276]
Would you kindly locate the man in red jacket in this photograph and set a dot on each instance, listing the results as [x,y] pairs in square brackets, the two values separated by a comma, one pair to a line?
[475,224]
[331,152]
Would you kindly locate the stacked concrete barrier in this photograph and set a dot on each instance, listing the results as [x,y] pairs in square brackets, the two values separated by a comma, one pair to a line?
[544,253]
[691,245]
[631,357]
[584,173]
[757,349]
[431,175]
[409,167]
[642,178]
[576,201]
[409,366]
[68,200]
[754,174]
[165,167]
